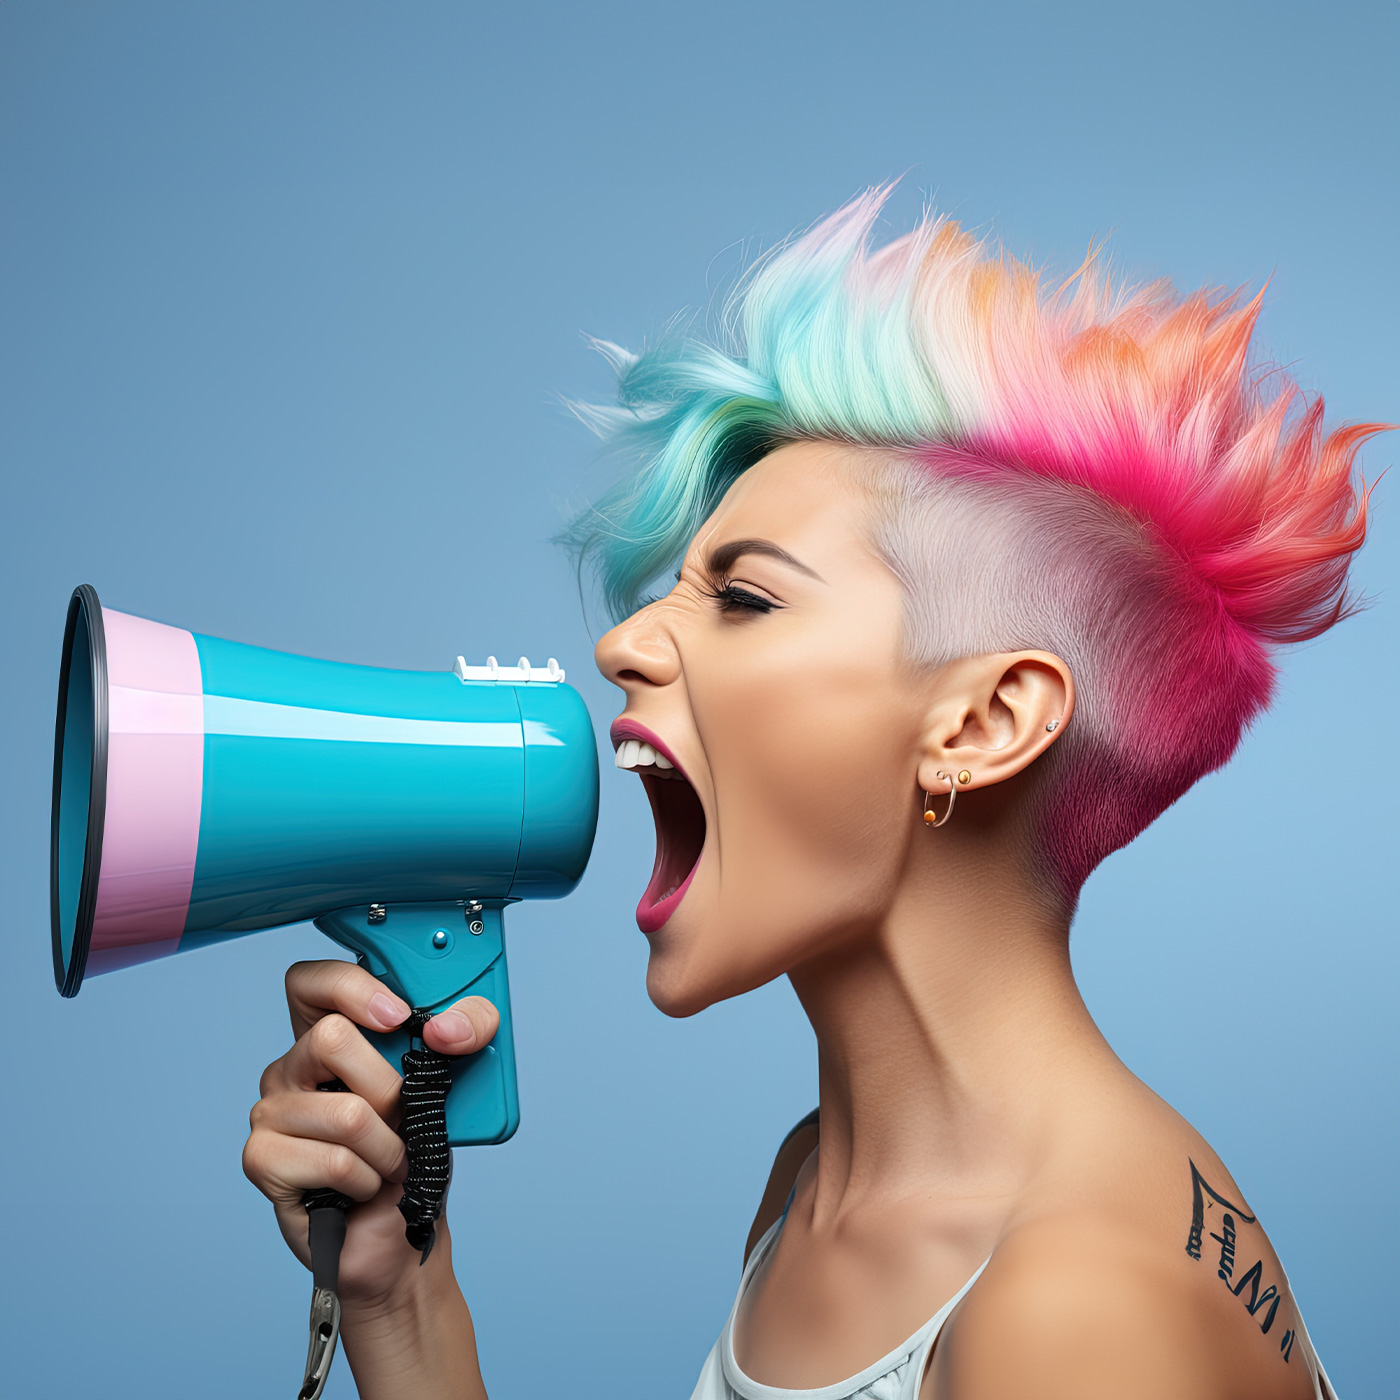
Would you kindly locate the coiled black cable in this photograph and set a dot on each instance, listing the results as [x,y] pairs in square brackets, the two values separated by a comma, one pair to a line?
[427,1080]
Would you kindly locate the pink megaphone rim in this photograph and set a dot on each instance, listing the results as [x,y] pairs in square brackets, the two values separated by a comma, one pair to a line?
[155,783]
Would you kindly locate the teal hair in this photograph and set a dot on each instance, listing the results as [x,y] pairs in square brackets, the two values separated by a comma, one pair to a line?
[809,350]
[688,422]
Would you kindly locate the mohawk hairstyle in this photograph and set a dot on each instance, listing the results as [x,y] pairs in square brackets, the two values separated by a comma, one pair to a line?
[1094,471]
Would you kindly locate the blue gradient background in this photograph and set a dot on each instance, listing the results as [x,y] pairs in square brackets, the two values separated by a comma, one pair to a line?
[289,296]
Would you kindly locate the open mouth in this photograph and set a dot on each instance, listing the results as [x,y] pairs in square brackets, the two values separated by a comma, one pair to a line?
[679,818]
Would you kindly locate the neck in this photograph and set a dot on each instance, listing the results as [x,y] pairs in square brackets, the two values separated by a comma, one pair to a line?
[954,1047]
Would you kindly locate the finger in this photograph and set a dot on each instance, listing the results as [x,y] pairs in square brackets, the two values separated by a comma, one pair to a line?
[283,1167]
[344,1118]
[314,989]
[335,1048]
[465,1026]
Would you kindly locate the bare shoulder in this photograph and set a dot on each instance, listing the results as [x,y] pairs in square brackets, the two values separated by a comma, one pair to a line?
[1163,1286]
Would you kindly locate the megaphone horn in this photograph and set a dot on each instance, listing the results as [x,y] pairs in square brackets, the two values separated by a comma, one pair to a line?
[205,789]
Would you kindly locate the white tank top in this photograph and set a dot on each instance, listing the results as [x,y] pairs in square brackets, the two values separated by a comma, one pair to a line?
[896,1376]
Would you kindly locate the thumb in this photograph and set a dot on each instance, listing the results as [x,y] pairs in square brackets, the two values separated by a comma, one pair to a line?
[465,1026]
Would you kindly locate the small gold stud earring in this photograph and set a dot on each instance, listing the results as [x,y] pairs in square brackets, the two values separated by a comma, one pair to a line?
[964,777]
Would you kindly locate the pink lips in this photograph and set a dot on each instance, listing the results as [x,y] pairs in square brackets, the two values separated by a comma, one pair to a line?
[651,916]
[652,912]
[623,728]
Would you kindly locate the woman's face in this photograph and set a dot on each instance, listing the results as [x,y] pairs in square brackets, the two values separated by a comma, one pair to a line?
[771,676]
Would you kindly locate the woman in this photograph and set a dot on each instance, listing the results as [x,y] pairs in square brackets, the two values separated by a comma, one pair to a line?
[974,581]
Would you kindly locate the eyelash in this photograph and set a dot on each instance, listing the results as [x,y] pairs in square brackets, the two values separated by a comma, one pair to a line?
[733,599]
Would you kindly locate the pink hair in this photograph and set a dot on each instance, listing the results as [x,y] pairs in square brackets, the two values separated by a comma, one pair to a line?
[1148,402]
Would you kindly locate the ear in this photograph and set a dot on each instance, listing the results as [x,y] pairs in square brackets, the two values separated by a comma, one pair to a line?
[992,716]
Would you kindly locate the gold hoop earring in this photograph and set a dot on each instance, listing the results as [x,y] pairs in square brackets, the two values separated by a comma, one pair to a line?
[932,819]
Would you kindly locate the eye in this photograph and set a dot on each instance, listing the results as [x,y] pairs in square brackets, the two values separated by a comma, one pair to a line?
[734,598]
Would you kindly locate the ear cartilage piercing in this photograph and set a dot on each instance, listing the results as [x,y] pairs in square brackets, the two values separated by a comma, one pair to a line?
[932,819]
[1052,726]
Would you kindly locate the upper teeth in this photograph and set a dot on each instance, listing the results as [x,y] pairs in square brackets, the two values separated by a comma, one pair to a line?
[633,753]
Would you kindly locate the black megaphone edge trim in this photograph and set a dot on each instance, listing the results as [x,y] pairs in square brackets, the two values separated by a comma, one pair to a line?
[83,603]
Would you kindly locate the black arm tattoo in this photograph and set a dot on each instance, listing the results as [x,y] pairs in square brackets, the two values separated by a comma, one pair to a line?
[1227,1239]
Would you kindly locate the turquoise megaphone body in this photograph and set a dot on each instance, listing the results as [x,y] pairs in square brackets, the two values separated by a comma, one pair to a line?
[205,789]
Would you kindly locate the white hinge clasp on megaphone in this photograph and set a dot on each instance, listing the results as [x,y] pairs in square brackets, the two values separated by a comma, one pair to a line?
[521,673]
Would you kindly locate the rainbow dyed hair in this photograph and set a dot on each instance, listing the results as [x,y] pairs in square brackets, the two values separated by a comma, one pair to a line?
[1093,471]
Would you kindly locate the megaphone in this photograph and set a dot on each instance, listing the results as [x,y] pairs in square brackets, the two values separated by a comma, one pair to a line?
[205,789]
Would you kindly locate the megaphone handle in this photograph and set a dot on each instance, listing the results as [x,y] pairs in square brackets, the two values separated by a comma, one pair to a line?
[325,1214]
[327,1198]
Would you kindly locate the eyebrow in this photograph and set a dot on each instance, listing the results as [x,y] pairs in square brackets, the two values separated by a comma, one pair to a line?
[723,557]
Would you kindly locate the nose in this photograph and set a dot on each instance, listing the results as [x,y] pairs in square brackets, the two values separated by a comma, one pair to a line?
[640,652]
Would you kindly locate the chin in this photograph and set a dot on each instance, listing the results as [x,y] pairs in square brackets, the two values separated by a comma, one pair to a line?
[672,997]
[686,972]
[676,985]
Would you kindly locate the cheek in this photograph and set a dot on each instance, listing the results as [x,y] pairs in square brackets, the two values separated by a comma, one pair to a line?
[812,798]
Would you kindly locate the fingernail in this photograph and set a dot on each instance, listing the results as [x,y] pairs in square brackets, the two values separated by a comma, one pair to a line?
[387,1010]
[453,1026]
